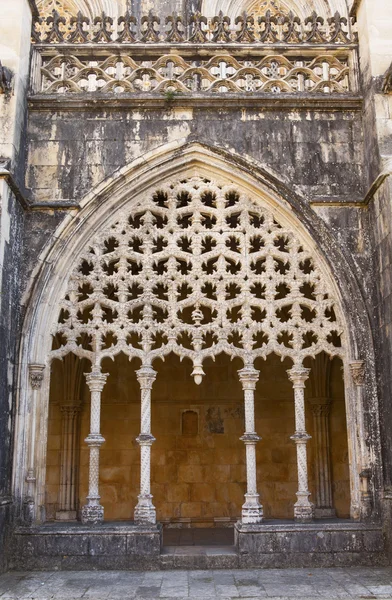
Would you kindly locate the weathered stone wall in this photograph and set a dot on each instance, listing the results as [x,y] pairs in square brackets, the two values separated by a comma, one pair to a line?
[15,58]
[374,24]
[316,153]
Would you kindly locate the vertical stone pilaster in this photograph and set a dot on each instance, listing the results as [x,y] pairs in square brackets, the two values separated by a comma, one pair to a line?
[92,512]
[252,510]
[68,463]
[324,502]
[358,373]
[36,376]
[145,513]
[303,508]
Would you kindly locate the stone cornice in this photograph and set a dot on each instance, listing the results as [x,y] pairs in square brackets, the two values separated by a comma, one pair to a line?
[84,102]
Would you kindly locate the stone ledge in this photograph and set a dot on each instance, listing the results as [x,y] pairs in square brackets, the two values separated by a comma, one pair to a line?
[92,101]
[126,546]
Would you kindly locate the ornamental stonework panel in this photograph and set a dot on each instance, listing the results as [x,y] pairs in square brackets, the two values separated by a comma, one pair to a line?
[198,268]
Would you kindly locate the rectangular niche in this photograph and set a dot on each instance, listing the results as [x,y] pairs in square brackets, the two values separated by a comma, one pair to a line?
[190,422]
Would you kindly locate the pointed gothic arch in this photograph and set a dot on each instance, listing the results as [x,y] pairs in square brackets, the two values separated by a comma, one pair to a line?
[128,186]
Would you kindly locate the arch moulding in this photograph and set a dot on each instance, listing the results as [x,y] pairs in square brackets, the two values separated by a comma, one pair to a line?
[49,282]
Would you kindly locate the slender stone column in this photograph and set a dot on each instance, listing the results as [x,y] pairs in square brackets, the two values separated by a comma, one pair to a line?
[324,501]
[92,512]
[36,375]
[252,510]
[145,511]
[68,462]
[303,508]
[358,373]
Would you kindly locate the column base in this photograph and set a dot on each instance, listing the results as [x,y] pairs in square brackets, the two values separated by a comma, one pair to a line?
[92,514]
[252,510]
[66,515]
[145,513]
[303,514]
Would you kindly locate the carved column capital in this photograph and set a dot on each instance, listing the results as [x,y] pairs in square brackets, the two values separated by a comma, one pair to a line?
[146,377]
[298,376]
[248,377]
[96,381]
[36,375]
[358,371]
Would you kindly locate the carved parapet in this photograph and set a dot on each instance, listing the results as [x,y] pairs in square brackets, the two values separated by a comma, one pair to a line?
[58,28]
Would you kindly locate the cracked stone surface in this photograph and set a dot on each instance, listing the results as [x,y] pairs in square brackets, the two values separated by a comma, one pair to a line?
[359,583]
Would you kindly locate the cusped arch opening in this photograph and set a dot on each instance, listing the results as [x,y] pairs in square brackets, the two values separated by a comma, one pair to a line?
[231,205]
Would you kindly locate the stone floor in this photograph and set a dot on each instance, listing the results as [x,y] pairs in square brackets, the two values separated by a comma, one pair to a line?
[305,584]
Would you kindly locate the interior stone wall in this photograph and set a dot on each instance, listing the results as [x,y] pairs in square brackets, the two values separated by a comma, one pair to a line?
[199,478]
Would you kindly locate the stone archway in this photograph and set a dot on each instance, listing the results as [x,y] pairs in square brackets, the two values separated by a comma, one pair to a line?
[158,173]
[198,268]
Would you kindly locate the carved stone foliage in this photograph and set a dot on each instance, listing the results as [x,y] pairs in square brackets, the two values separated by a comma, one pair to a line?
[266,22]
[197,268]
[222,73]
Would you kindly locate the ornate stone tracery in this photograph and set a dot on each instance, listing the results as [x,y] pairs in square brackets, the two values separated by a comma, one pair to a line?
[197,269]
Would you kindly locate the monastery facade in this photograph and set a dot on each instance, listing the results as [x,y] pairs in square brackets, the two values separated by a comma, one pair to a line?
[196,282]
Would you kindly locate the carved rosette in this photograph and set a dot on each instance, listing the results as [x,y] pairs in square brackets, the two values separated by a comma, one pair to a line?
[358,372]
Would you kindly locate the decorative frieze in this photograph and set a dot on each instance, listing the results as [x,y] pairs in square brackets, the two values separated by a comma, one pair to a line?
[320,73]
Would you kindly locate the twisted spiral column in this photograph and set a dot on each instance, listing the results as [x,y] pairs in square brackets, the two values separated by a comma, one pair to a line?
[92,512]
[145,513]
[252,510]
[303,508]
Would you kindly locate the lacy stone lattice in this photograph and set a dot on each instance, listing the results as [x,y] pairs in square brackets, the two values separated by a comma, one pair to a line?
[197,269]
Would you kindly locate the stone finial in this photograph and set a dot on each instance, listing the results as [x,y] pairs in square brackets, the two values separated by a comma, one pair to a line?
[36,374]
[358,371]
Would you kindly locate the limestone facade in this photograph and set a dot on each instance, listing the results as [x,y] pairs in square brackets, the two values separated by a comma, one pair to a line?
[181,188]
